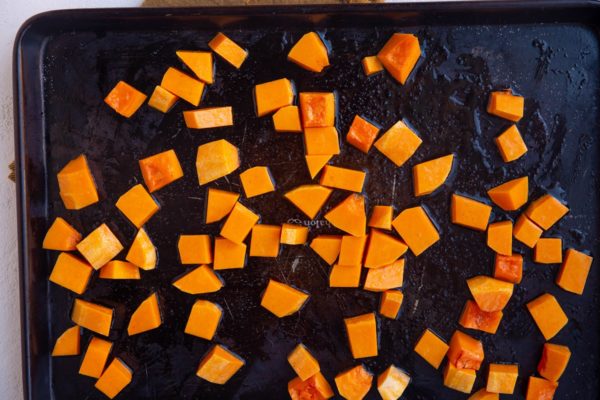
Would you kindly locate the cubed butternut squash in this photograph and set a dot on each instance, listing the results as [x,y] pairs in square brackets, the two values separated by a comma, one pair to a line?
[345,276]
[416,229]
[321,141]
[510,144]
[343,178]
[362,134]
[461,380]
[137,205]
[204,319]
[92,316]
[215,160]
[162,100]
[293,234]
[352,250]
[553,362]
[114,379]
[160,169]
[200,280]
[548,251]
[142,252]
[100,246]
[465,351]
[511,195]
[483,394]
[431,348]
[61,236]
[219,204]
[309,53]
[317,109]
[183,86]
[469,213]
[506,105]
[219,365]
[540,389]
[383,249]
[509,268]
[381,217]
[264,241]
[229,50]
[574,271]
[95,357]
[76,185]
[125,99]
[281,299]
[309,198]
[239,223]
[273,95]
[349,215]
[399,55]
[195,249]
[117,269]
[71,273]
[199,62]
[398,143]
[387,277]
[499,237]
[304,364]
[146,317]
[548,315]
[257,181]
[287,119]
[473,317]
[546,211]
[315,388]
[327,247]
[490,294]
[315,163]
[391,301]
[526,231]
[211,117]
[430,175]
[68,343]
[371,65]
[228,254]
[355,383]
[392,383]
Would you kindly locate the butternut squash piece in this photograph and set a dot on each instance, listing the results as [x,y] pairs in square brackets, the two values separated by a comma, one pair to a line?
[483,394]
[526,231]
[200,62]
[92,316]
[371,65]
[399,55]
[511,144]
[162,100]
[398,143]
[304,364]
[315,388]
[362,134]
[117,269]
[219,204]
[461,380]
[265,241]
[387,277]
[343,178]
[381,217]
[473,317]
[318,109]
[71,273]
[327,247]
[200,280]
[77,188]
[95,357]
[100,246]
[160,169]
[509,268]
[61,236]
[309,53]
[349,215]
[548,251]
[142,252]
[204,319]
[430,175]
[489,293]
[146,317]
[125,99]
[206,118]
[68,343]
[114,379]
[195,249]
[228,254]
[228,50]
[219,365]
[137,205]
[273,95]
[511,195]
[391,301]
[215,160]
[345,276]
[183,86]
[281,299]
[239,223]
[548,315]
[546,211]
[553,363]
[352,250]
[355,383]
[309,198]
[465,351]
[431,348]
[502,378]
[321,141]
[293,234]
[416,229]
[499,237]
[362,335]
[257,181]
[287,119]
[540,389]
[392,383]
[383,249]
[574,271]
[506,105]
[469,213]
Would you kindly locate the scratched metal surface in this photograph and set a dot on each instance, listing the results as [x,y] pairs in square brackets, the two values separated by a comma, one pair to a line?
[555,66]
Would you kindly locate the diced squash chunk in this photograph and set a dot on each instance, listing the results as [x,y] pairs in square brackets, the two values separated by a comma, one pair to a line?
[511,144]
[399,55]
[469,213]
[76,184]
[465,351]
[95,357]
[183,86]
[273,95]
[352,250]
[215,160]
[162,100]
[228,50]
[526,231]
[553,363]
[489,293]
[265,241]
[281,299]
[212,117]
[114,379]
[195,249]
[61,236]
[506,105]
[355,383]
[293,234]
[309,198]
[68,343]
[461,380]
[142,252]
[160,169]
[257,181]
[228,254]
[117,269]
[309,53]
[391,301]
[146,317]
[304,364]
[287,119]
[548,251]
[511,195]
[508,268]
[343,178]
[137,205]
[327,247]
[387,277]
[381,217]
[430,175]
[204,319]
[100,246]
[239,223]
[392,383]
[316,162]
[125,99]
[483,394]
[383,249]
[416,229]
[200,280]
[71,273]
[546,211]
[219,365]
[219,204]
[200,62]
[345,276]
[431,348]
[499,237]
[398,143]
[321,141]
[574,271]
[540,389]
[371,65]
[92,316]
[362,134]
[349,215]
[318,109]
[314,388]
[473,317]
[548,315]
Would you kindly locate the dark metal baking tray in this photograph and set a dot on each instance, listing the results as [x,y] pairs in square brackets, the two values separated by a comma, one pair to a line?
[65,62]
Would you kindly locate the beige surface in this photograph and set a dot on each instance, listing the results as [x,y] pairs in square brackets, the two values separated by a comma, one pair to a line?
[215,3]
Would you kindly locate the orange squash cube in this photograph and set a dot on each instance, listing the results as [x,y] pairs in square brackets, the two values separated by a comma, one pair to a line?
[392,383]
[508,268]
[215,160]
[206,118]
[465,351]
[416,229]
[71,273]
[355,383]
[473,317]
[228,254]
[219,204]
[553,363]
[506,105]
[257,181]
[574,271]
[483,394]
[469,213]
[183,86]
[431,348]
[511,195]
[95,357]
[304,364]
[265,241]
[391,301]
[321,141]
[540,389]
[219,365]
[371,65]
[273,95]
[461,380]
[399,55]
[77,188]
[162,100]
[117,269]
[309,198]
[100,246]
[362,134]
[142,252]
[195,249]
[114,379]
[239,223]
[548,251]
[92,316]
[125,99]
[318,109]
[146,317]
[502,378]
[343,178]
[430,175]
[548,315]
[327,247]
[309,53]
[381,217]
[345,276]
[490,294]
[228,50]
[526,231]
[352,250]
[398,143]
[316,388]
[199,62]
[200,280]
[546,211]
[349,215]
[387,277]
[204,319]
[68,343]
[293,234]
[511,144]
[287,119]
[281,299]
[499,237]
[137,205]
[383,249]
[160,169]
[61,236]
